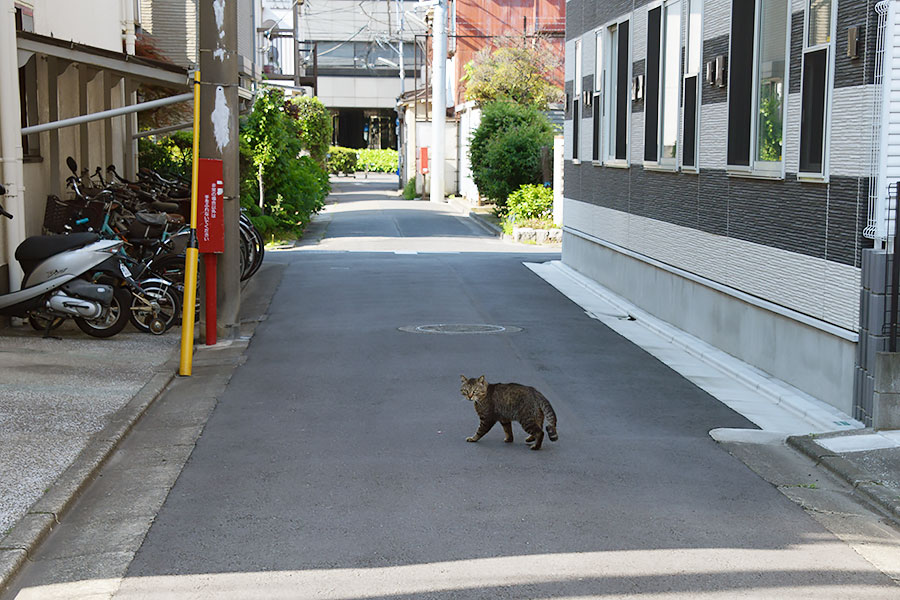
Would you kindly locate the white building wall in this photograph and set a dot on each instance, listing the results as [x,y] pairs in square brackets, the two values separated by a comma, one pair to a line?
[91,22]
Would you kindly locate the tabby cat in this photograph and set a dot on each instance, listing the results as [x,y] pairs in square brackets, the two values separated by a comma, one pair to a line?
[508,402]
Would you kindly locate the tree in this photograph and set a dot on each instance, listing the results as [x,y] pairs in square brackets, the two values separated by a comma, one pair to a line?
[511,73]
[505,150]
[313,125]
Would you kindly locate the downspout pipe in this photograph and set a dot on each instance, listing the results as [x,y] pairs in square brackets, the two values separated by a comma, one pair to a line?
[11,142]
[128,33]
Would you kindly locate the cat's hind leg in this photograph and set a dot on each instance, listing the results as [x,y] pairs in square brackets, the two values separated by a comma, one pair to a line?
[483,428]
[507,429]
[537,434]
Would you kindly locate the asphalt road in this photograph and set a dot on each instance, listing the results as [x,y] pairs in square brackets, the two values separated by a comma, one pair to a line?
[335,463]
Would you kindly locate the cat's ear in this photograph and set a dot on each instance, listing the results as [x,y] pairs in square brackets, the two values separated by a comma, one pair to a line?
[464,378]
[481,379]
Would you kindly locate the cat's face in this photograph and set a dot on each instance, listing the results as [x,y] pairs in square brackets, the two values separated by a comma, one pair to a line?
[473,389]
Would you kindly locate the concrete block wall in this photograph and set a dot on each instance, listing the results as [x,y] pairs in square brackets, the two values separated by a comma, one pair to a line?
[874,307]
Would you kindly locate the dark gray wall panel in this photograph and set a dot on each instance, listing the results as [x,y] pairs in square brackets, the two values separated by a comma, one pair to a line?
[788,214]
[638,68]
[847,72]
[605,186]
[843,217]
[575,18]
[713,47]
[794,75]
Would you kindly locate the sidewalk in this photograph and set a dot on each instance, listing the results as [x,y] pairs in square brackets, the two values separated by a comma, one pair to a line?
[868,461]
[66,404]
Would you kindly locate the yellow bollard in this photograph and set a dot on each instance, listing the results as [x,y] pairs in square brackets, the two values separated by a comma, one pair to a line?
[191,254]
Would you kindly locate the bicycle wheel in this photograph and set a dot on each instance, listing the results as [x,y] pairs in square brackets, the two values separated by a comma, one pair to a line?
[160,301]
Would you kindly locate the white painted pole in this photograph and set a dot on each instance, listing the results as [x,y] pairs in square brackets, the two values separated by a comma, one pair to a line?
[11,141]
[107,114]
[437,159]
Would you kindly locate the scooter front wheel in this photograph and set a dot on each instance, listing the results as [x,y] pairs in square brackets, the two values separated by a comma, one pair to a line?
[115,319]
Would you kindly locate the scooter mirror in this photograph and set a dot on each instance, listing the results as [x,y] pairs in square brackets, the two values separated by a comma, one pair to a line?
[73,166]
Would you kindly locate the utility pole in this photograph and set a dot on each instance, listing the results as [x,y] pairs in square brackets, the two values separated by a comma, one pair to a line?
[401,148]
[438,101]
[219,139]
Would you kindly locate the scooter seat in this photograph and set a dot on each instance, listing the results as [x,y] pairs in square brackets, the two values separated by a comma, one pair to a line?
[39,247]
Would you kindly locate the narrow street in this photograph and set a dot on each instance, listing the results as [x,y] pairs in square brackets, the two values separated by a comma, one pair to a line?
[334,461]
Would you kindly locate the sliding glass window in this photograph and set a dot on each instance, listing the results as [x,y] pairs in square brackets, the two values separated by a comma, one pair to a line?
[759,42]
[692,63]
[597,106]
[576,102]
[817,56]
[663,87]
[616,105]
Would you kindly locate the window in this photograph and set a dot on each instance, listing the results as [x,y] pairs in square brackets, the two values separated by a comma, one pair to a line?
[692,63]
[597,106]
[759,41]
[576,100]
[817,52]
[615,86]
[663,84]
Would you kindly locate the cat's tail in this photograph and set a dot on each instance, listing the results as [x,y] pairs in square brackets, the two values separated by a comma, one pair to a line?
[550,415]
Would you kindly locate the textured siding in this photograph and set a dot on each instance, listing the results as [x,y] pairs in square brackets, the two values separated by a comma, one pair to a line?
[810,285]
[173,26]
[851,130]
[713,141]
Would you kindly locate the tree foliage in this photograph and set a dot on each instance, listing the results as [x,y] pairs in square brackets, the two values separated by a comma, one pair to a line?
[314,126]
[294,187]
[505,150]
[514,73]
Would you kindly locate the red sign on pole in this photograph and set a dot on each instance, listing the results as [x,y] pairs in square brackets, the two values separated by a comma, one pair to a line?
[210,212]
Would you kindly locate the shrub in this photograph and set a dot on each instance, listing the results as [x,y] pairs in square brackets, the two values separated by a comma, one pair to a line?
[378,161]
[409,190]
[342,160]
[505,150]
[294,186]
[170,156]
[530,202]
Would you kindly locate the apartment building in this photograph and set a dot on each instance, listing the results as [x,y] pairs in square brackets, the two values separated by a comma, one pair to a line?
[718,162]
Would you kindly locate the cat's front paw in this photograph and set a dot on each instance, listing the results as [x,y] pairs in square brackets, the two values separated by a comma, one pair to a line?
[471,439]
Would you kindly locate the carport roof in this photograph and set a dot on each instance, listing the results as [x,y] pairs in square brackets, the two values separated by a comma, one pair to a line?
[143,69]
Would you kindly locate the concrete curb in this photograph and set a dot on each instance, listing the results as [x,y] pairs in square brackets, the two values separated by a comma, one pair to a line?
[463,208]
[30,530]
[865,486]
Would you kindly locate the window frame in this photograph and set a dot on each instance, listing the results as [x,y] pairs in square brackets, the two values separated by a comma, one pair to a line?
[757,168]
[672,163]
[597,106]
[609,112]
[577,89]
[830,49]
[687,74]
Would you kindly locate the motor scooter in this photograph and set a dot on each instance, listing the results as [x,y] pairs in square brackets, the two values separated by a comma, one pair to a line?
[76,276]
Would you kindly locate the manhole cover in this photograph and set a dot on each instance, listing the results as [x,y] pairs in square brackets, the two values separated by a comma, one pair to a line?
[460,328]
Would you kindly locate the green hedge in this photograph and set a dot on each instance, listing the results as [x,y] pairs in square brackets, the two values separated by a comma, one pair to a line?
[378,161]
[351,160]
[505,150]
[341,160]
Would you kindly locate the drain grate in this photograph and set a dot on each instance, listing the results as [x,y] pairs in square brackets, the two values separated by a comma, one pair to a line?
[460,328]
